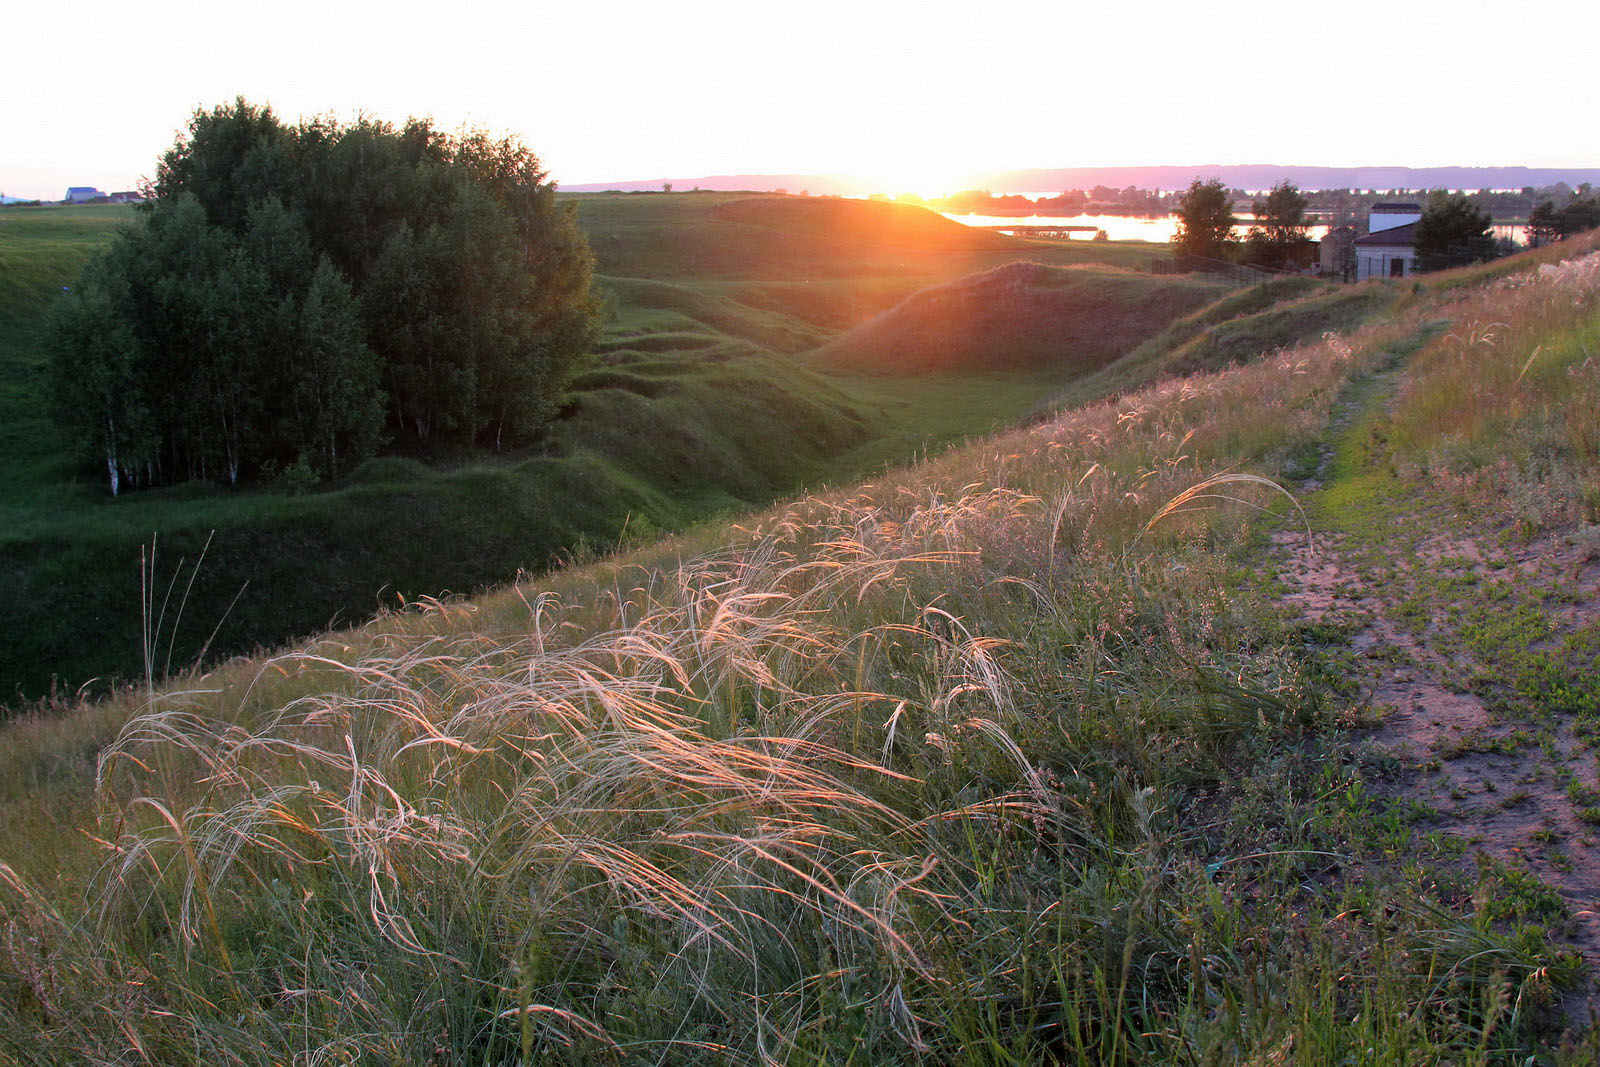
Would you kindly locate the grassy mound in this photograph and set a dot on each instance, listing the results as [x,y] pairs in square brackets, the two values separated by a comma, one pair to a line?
[741,238]
[656,311]
[1234,328]
[1281,326]
[1021,316]
[720,433]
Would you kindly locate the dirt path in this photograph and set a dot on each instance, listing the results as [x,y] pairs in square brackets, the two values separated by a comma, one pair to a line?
[1418,605]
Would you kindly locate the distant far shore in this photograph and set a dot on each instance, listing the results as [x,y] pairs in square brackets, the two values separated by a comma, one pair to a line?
[1241,176]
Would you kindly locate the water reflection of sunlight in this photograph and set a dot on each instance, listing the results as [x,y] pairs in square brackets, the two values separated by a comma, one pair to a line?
[1154,228]
[1159,228]
[1117,227]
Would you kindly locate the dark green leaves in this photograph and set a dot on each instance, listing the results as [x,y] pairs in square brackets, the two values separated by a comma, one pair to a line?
[1278,239]
[1452,233]
[292,291]
[1205,221]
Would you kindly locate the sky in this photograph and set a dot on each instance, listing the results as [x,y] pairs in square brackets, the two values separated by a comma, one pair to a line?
[913,96]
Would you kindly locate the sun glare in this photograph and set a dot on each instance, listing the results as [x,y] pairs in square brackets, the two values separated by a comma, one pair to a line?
[920,178]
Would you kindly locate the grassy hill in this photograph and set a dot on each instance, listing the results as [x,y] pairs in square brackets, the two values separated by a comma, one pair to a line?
[717,387]
[738,236]
[1021,316]
[41,250]
[1234,328]
[1025,753]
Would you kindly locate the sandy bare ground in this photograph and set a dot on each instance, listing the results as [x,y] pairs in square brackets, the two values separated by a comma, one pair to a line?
[1514,788]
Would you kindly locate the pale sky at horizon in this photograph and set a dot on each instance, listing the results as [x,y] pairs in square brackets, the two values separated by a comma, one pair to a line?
[909,95]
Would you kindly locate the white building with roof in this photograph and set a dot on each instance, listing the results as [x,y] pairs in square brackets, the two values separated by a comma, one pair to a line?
[1386,251]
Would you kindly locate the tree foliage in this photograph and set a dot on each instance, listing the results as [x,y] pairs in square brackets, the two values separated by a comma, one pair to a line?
[1452,233]
[1205,221]
[291,294]
[1278,238]
[1547,223]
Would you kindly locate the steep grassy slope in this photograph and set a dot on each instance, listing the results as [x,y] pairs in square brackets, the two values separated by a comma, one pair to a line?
[883,227]
[1008,756]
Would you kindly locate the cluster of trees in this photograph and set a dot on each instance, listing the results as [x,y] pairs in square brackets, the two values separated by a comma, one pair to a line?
[1205,221]
[290,296]
[1521,203]
[1548,223]
[1453,233]
[1277,239]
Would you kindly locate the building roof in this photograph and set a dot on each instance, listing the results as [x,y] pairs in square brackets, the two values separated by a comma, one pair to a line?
[1396,209]
[1398,235]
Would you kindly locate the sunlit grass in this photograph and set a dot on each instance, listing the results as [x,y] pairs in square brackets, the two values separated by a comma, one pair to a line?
[996,759]
[1506,404]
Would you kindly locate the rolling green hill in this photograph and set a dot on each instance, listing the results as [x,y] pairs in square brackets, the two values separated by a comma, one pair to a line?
[705,397]
[1023,316]
[1234,328]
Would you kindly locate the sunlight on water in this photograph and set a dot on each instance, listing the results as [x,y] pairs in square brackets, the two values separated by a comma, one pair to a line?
[1154,228]
[1117,227]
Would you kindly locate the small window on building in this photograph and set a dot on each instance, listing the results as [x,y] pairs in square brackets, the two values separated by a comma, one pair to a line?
[1397,268]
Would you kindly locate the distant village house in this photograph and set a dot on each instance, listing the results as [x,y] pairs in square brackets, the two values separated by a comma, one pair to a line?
[87,194]
[1386,251]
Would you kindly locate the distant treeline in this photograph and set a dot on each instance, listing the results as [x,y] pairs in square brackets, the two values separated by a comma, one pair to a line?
[1100,200]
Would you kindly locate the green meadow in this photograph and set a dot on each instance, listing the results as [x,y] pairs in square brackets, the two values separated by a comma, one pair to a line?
[708,395]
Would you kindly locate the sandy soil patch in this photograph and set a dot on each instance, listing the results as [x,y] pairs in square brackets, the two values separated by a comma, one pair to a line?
[1522,792]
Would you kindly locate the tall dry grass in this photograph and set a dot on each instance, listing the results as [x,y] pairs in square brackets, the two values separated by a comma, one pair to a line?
[930,770]
[1504,408]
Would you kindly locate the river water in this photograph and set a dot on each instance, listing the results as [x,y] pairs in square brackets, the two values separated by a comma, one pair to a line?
[1154,228]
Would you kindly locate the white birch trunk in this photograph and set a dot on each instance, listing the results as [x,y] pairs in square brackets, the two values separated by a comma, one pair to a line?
[111,455]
